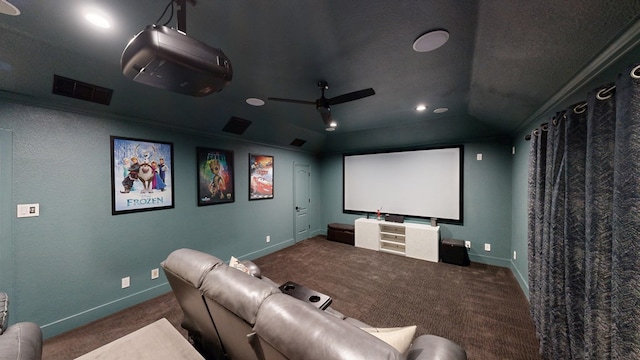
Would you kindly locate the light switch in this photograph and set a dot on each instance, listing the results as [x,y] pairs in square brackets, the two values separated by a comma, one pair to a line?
[28,210]
[479,157]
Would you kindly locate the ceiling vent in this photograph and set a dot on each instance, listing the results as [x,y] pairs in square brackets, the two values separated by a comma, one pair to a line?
[298,142]
[81,90]
[236,125]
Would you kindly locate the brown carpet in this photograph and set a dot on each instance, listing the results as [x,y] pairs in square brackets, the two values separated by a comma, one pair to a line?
[81,340]
[480,307]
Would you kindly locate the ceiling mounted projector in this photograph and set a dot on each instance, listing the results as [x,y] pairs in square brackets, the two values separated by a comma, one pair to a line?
[168,59]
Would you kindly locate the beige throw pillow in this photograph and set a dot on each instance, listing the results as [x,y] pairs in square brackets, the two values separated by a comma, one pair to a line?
[399,337]
[236,264]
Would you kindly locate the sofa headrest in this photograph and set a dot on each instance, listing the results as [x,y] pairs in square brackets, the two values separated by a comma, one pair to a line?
[237,291]
[301,331]
[4,312]
[190,265]
[252,268]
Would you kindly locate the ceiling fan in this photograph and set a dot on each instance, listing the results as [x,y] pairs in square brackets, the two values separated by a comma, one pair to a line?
[323,105]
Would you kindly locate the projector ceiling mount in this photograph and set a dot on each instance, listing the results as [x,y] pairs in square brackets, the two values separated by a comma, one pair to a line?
[182,13]
[323,105]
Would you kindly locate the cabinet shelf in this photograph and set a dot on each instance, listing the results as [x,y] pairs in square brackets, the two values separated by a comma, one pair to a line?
[392,234]
[419,241]
[392,242]
[392,239]
[392,251]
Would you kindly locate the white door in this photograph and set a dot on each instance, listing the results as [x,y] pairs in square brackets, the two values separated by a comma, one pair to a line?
[301,200]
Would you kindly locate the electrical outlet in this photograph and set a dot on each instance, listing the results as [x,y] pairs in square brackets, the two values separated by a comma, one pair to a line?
[155,273]
[126,282]
[479,157]
[487,247]
[514,254]
[467,244]
[268,238]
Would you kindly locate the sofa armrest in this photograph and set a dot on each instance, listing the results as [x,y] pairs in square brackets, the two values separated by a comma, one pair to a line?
[21,341]
[431,347]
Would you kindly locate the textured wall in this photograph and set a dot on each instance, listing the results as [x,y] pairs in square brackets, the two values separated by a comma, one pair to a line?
[68,262]
[519,214]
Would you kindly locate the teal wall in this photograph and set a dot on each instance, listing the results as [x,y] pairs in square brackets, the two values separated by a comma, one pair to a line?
[487,200]
[519,216]
[66,264]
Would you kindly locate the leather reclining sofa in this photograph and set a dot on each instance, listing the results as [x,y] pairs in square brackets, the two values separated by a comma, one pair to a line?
[21,341]
[231,314]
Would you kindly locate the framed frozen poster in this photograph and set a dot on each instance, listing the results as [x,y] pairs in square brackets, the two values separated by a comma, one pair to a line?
[260,177]
[141,175]
[215,176]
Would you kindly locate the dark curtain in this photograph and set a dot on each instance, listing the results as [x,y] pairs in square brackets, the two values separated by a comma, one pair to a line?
[584,226]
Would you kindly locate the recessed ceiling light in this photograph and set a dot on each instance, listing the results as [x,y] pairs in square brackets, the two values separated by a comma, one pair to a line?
[8,8]
[97,20]
[421,107]
[441,110]
[255,102]
[431,41]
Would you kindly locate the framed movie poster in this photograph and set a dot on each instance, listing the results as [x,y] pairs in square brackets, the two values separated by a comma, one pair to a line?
[260,177]
[141,175]
[215,176]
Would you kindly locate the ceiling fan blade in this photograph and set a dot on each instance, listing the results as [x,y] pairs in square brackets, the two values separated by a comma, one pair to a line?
[326,115]
[351,96]
[305,102]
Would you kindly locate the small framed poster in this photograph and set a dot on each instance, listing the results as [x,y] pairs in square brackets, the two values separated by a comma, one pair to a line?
[260,177]
[215,176]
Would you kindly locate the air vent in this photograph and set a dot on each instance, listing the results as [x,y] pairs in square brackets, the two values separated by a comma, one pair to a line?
[236,125]
[298,142]
[81,90]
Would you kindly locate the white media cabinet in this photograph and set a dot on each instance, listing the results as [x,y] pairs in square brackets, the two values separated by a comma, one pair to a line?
[418,241]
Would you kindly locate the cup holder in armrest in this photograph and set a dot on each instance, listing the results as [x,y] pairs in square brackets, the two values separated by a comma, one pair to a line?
[314,298]
[288,287]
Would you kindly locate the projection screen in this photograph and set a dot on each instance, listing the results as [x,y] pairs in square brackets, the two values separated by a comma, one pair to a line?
[420,183]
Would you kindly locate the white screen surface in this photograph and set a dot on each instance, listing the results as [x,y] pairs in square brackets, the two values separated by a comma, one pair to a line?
[421,183]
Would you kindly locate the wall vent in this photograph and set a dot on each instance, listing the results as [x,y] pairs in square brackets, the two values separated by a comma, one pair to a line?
[298,142]
[236,125]
[81,90]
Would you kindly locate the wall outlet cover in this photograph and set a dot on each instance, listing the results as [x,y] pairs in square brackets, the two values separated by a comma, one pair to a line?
[487,247]
[28,210]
